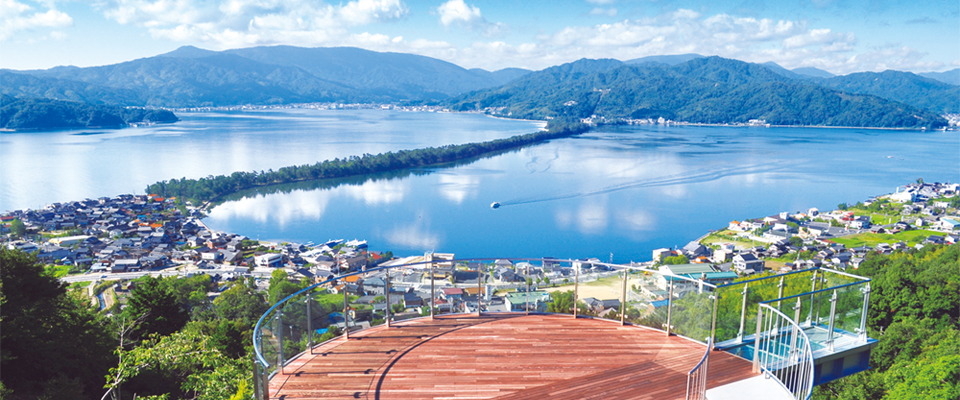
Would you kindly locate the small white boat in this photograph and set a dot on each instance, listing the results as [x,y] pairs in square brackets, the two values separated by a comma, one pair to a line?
[495,205]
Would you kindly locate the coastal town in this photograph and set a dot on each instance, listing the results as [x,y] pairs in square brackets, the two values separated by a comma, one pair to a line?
[118,239]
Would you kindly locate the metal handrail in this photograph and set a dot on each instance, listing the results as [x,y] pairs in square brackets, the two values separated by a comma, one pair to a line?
[790,364]
[697,377]
[263,317]
[262,376]
[806,294]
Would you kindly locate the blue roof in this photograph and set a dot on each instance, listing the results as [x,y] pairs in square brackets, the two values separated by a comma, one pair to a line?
[660,303]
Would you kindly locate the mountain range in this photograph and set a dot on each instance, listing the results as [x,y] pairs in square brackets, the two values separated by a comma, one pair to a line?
[193,77]
[702,89]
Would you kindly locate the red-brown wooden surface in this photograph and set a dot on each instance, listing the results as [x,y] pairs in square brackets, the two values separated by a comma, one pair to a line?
[503,356]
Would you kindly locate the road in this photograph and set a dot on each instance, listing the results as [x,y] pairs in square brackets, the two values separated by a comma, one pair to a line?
[260,273]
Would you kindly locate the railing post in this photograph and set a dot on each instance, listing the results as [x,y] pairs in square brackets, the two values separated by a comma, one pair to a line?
[863,315]
[623,304]
[758,342]
[257,382]
[795,335]
[346,314]
[713,323]
[310,324]
[433,294]
[813,288]
[479,285]
[820,282]
[264,382]
[669,305]
[743,312]
[280,340]
[576,289]
[526,296]
[833,314]
[780,292]
[387,292]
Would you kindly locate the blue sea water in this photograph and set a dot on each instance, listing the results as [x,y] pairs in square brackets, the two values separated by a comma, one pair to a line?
[615,190]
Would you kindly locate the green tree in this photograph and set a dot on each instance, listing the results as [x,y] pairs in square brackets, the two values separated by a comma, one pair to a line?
[796,241]
[52,342]
[240,302]
[17,228]
[153,304]
[200,370]
[280,286]
[676,260]
[561,302]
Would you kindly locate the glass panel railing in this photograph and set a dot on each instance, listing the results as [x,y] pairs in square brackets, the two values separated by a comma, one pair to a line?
[650,300]
[684,305]
[849,311]
[292,320]
[691,314]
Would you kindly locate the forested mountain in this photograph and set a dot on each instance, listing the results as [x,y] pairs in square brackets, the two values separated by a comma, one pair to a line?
[42,114]
[905,87]
[673,59]
[952,76]
[705,90]
[395,75]
[192,77]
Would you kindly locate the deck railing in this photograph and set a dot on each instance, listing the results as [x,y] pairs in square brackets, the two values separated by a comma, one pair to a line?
[678,305]
[697,377]
[290,327]
[783,351]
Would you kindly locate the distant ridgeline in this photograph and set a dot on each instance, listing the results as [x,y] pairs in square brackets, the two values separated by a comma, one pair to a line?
[717,90]
[212,188]
[43,114]
[685,87]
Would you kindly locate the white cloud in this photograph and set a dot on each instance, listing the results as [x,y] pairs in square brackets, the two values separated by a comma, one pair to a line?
[234,23]
[362,12]
[17,17]
[467,16]
[790,43]
[456,11]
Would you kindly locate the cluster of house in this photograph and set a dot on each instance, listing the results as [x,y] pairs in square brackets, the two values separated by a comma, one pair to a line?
[923,207]
[118,234]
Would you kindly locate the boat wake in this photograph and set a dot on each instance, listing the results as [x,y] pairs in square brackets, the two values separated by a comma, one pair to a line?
[695,176]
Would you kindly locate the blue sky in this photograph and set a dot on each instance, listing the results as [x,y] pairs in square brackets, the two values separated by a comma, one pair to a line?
[840,36]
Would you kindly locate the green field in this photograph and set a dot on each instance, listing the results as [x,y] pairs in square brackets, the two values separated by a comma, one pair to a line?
[728,236]
[872,239]
[58,271]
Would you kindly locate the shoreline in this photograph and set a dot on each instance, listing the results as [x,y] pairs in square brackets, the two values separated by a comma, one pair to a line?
[439,109]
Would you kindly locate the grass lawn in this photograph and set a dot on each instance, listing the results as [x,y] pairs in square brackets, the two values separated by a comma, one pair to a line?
[878,218]
[58,271]
[872,239]
[728,236]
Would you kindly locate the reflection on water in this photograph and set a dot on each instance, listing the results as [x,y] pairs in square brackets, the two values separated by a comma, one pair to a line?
[39,168]
[618,190]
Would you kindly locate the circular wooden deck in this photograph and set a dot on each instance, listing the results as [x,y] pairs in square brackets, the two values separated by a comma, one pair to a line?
[503,356]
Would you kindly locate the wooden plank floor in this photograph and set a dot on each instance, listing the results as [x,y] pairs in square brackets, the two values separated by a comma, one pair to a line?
[503,356]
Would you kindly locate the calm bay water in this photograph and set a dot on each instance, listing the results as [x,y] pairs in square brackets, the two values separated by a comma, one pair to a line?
[40,168]
[623,190]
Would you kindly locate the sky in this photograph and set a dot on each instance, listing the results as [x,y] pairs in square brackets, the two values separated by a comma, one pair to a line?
[839,36]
